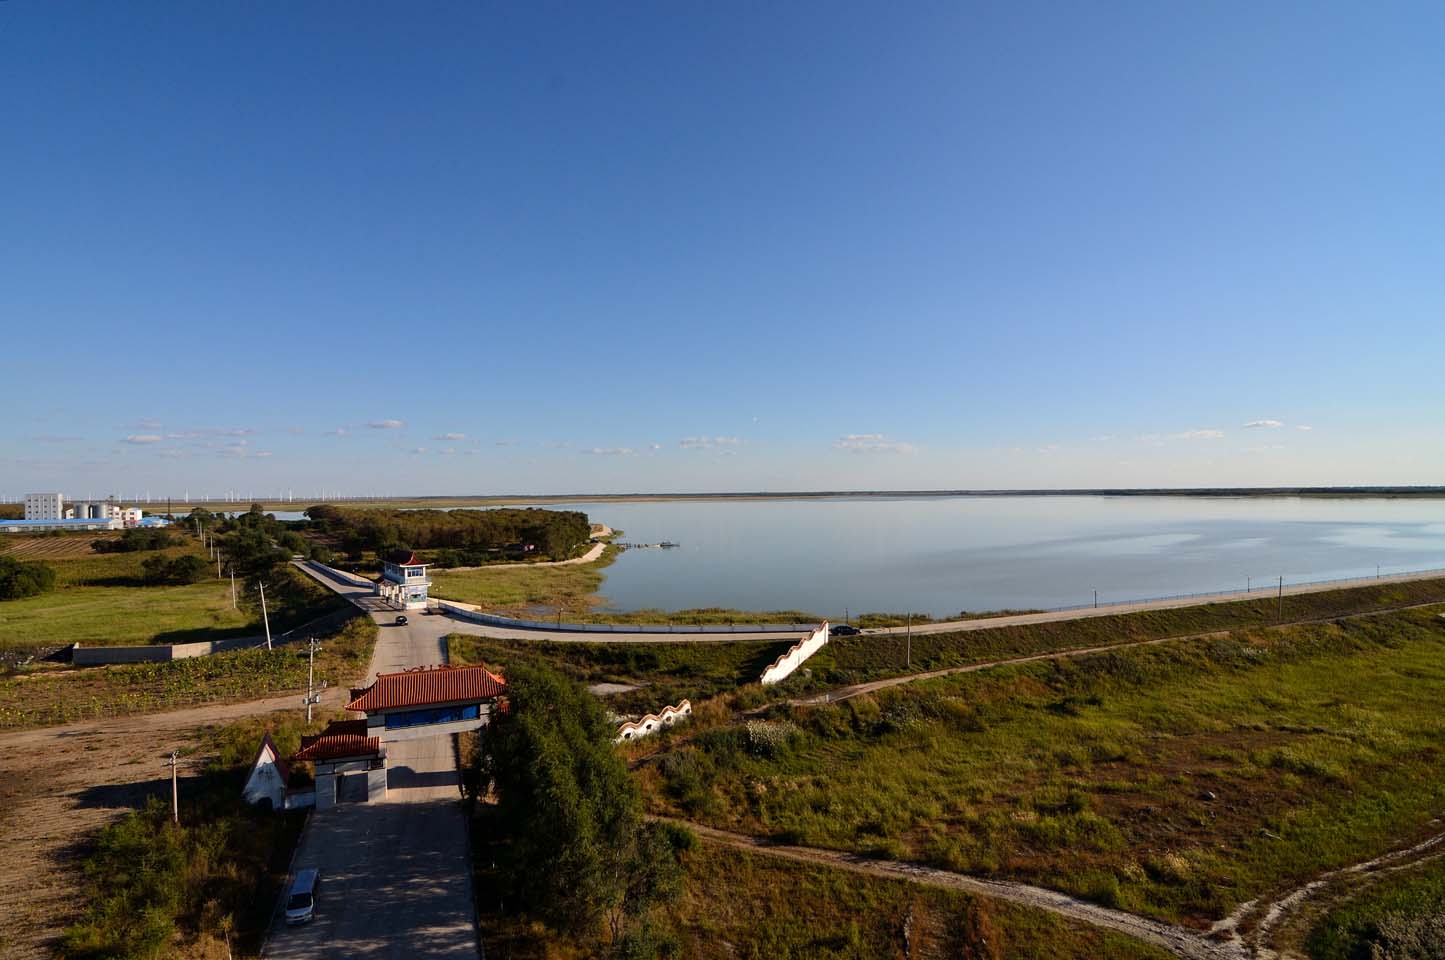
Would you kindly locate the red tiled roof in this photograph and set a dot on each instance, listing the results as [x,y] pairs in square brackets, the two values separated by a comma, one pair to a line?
[427,685]
[341,738]
[402,557]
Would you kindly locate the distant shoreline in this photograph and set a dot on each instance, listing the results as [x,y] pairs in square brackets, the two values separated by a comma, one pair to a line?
[1395,492]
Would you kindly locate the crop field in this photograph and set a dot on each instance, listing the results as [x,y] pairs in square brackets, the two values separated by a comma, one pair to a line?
[740,906]
[46,697]
[68,546]
[1174,781]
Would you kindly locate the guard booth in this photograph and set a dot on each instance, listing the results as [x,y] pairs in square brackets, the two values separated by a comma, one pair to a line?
[350,766]
[404,581]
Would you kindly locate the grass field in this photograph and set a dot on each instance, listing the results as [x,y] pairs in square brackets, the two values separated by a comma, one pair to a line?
[740,906]
[1175,781]
[872,657]
[1408,907]
[101,600]
[44,697]
[668,672]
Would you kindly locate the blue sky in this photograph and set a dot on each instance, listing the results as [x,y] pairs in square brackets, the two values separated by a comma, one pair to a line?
[462,247]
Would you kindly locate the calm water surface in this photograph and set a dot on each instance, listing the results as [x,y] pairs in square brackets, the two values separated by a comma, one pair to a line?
[943,555]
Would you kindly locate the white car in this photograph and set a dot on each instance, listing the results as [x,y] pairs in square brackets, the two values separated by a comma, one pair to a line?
[301,901]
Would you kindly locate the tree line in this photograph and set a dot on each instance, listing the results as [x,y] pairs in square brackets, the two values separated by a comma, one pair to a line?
[461,537]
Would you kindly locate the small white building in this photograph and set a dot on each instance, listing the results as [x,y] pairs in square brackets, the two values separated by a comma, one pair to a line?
[44,506]
[403,582]
[266,783]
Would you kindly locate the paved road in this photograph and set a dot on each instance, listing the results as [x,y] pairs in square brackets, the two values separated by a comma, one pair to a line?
[395,880]
[439,625]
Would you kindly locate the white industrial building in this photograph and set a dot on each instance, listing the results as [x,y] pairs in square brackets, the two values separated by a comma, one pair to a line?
[47,511]
[44,506]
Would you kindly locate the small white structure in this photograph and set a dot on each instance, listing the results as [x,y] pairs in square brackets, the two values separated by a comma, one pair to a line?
[44,506]
[266,783]
[403,582]
[653,722]
[795,655]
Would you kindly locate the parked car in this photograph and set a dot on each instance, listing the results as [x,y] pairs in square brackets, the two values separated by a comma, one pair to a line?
[401,620]
[301,901]
[842,630]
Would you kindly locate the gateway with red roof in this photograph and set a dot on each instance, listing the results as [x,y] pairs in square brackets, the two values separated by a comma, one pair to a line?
[436,699]
[350,763]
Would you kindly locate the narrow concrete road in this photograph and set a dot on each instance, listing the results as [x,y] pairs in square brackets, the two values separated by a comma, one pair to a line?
[441,625]
[395,881]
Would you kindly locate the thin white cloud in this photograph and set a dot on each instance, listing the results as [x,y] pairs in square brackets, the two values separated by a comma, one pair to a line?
[1301,426]
[452,436]
[506,442]
[338,432]
[694,443]
[386,424]
[654,446]
[610,451]
[1200,435]
[448,452]
[149,423]
[262,453]
[1265,424]
[418,450]
[144,438]
[872,443]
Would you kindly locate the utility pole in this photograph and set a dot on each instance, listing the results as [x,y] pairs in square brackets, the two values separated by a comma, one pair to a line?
[312,697]
[264,618]
[908,654]
[1096,598]
[233,587]
[218,564]
[175,795]
[1280,614]
[1248,584]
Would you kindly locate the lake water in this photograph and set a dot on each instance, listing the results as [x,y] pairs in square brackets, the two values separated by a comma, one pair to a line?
[941,555]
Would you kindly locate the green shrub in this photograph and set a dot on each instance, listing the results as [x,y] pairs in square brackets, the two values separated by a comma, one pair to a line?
[21,579]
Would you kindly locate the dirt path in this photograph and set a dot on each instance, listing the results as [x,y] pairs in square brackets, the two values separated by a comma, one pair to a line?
[58,785]
[1177,940]
[1277,930]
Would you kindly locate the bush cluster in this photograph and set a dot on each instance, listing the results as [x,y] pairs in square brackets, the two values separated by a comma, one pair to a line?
[24,579]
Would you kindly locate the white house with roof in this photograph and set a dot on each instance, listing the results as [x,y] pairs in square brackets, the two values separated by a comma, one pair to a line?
[266,782]
[404,581]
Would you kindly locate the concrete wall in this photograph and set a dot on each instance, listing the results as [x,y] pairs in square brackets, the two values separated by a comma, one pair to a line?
[795,655]
[653,722]
[160,653]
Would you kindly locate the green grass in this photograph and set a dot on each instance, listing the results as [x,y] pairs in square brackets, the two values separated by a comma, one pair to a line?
[669,671]
[155,890]
[742,906]
[523,589]
[848,660]
[101,601]
[1320,744]
[45,697]
[1350,930]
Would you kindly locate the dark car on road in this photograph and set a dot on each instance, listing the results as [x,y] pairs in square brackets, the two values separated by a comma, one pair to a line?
[401,620]
[842,630]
